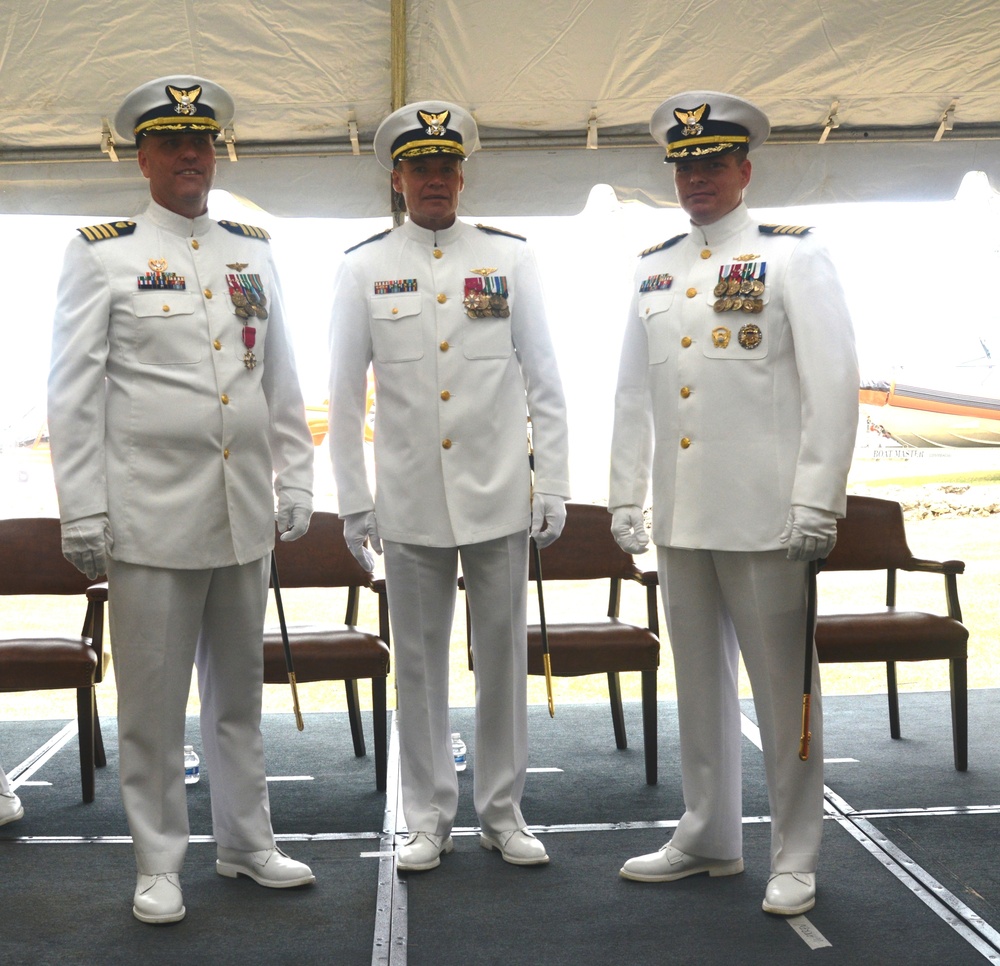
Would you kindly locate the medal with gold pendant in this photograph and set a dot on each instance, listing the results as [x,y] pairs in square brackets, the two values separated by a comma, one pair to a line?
[246,292]
[486,295]
[249,340]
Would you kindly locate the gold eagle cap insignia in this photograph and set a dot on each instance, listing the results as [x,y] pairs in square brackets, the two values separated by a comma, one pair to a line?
[691,119]
[184,100]
[436,123]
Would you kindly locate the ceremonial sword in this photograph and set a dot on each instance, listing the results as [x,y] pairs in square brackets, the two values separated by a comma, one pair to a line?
[546,657]
[284,640]
[806,736]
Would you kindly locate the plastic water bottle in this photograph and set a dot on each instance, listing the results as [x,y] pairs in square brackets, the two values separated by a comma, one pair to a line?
[192,765]
[459,750]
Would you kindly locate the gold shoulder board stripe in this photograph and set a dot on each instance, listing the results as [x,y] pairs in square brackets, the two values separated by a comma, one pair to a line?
[500,231]
[663,246]
[785,229]
[247,231]
[376,237]
[111,229]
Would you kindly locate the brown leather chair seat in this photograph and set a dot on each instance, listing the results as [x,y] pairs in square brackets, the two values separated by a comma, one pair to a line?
[32,564]
[872,537]
[335,651]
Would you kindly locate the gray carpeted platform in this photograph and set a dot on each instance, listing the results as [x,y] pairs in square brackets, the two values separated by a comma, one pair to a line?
[903,826]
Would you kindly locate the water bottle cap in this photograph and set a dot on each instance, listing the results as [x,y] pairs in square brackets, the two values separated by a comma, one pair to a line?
[456,734]
[189,747]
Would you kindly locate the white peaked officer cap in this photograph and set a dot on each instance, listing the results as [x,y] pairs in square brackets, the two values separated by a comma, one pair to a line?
[701,124]
[426,127]
[172,104]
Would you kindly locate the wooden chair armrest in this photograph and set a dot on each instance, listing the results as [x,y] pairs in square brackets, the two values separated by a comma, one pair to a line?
[651,581]
[379,587]
[917,565]
[93,626]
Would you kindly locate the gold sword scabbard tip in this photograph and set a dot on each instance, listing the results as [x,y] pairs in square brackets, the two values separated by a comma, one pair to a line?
[806,735]
[299,723]
[547,661]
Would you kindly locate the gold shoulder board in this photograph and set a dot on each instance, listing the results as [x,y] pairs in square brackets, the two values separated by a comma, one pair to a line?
[663,246]
[111,229]
[784,229]
[247,231]
[499,231]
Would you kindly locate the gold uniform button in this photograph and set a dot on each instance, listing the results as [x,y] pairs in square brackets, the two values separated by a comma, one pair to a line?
[685,392]
[442,298]
[685,442]
[437,253]
[217,344]
[395,311]
[166,308]
[444,347]
[705,253]
[445,395]
[446,444]
[686,341]
[225,399]
[225,454]
[194,244]
[692,292]
[208,293]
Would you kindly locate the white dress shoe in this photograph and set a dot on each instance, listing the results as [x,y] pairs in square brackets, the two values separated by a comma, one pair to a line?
[158,898]
[669,864]
[517,846]
[790,893]
[268,867]
[422,851]
[10,808]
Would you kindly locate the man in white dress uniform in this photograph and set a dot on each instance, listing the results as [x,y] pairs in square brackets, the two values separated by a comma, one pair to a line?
[451,317]
[175,414]
[738,393]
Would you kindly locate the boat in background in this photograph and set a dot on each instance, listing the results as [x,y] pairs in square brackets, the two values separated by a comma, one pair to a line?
[956,406]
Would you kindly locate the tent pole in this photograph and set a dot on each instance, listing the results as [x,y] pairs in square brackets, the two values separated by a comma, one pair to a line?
[397,54]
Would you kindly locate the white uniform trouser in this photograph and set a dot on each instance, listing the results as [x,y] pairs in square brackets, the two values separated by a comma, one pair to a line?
[162,622]
[422,587]
[719,604]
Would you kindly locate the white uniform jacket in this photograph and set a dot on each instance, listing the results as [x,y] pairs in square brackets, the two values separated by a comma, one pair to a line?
[453,393]
[751,411]
[155,417]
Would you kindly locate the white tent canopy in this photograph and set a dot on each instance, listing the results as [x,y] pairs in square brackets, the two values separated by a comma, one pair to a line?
[868,99]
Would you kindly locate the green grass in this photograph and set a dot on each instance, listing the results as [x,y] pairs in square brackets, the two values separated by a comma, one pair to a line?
[973,478]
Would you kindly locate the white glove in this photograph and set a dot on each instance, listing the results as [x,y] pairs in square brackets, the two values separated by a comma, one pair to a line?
[548,511]
[359,527]
[809,533]
[86,544]
[294,512]
[629,529]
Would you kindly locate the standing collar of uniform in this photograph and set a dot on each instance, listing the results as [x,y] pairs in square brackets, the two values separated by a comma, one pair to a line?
[729,224]
[427,237]
[177,224]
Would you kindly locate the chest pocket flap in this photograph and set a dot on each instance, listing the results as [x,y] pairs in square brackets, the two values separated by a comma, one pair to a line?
[396,328]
